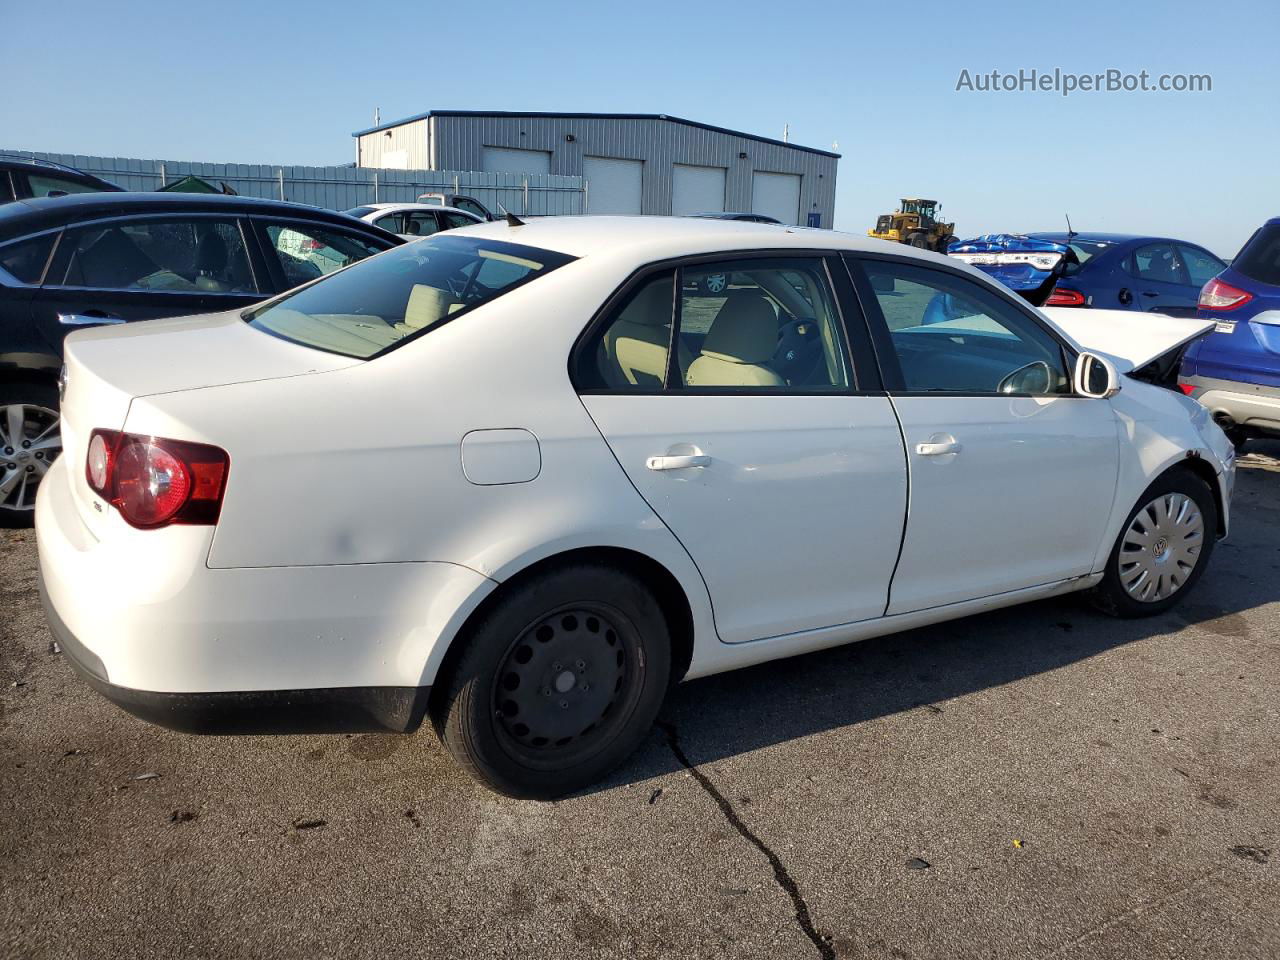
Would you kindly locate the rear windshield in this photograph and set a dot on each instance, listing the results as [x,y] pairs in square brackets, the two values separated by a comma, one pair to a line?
[377,304]
[1260,258]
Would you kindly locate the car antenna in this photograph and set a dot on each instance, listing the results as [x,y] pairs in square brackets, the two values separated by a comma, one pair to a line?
[512,219]
[1070,233]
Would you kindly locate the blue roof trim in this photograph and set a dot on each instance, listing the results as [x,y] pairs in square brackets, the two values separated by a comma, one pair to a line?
[542,115]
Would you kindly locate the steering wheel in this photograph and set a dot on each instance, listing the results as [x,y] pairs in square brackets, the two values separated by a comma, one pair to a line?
[799,350]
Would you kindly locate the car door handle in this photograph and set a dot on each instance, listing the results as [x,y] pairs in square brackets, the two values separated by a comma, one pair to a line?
[86,319]
[937,448]
[678,462]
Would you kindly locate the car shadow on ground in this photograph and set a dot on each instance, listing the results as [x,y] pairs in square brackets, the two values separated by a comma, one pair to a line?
[745,710]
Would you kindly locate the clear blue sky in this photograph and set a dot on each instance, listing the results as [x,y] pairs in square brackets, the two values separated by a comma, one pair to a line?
[287,83]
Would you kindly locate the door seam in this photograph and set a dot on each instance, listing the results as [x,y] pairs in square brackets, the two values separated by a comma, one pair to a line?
[906,513]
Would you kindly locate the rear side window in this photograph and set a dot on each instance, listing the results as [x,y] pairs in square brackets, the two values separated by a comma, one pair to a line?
[6,188]
[409,290]
[42,186]
[182,256]
[1260,258]
[25,260]
[1157,261]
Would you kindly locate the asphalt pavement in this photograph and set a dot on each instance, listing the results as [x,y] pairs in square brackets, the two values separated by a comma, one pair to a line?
[1038,782]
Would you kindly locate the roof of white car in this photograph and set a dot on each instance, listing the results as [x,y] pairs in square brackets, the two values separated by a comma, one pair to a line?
[660,237]
[383,207]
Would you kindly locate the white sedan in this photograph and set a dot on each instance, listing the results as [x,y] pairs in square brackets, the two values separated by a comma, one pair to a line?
[521,478]
[413,221]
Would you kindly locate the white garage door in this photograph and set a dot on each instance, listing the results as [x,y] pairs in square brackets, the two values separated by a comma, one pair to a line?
[777,195]
[613,186]
[696,190]
[509,160]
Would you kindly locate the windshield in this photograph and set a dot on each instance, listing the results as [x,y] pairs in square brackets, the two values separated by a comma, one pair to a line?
[377,304]
[359,212]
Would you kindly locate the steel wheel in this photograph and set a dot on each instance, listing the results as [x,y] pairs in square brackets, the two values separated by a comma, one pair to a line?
[561,680]
[29,443]
[1161,548]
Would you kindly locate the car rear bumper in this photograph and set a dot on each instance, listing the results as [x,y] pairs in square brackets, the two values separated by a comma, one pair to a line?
[155,630]
[1247,404]
[331,710]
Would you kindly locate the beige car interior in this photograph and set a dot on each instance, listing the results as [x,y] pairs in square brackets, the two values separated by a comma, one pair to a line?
[427,306]
[739,345]
[635,345]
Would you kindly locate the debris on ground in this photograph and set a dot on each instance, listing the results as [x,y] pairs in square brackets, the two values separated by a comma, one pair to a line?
[915,863]
[413,818]
[308,824]
[653,797]
[55,647]
[145,776]
[181,816]
[1256,854]
[1017,843]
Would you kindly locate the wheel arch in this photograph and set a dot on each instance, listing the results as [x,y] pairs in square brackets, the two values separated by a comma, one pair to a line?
[666,588]
[1199,467]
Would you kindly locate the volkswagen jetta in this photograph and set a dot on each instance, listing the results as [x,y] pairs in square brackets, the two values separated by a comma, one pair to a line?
[520,478]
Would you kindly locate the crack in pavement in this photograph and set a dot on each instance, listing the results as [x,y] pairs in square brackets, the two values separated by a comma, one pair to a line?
[780,872]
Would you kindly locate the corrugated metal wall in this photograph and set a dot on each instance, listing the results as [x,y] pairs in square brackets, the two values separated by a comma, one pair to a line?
[407,138]
[459,142]
[338,188]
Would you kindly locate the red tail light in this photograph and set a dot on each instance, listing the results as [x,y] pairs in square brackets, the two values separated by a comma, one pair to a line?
[1217,295]
[154,482]
[1062,297]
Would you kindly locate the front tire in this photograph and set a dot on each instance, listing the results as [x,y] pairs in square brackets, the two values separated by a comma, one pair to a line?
[1163,548]
[557,683]
[29,443]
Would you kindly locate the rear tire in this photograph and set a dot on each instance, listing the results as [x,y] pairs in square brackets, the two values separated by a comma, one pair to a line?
[31,411]
[1172,527]
[918,240]
[558,683]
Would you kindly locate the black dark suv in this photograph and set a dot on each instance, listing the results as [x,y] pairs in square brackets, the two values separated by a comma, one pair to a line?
[102,258]
[22,178]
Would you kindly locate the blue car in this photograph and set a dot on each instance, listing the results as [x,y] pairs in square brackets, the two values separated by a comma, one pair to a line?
[1235,371]
[1119,271]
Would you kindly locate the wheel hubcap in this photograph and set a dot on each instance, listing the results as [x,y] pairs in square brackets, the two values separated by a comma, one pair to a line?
[1161,547]
[560,679]
[30,440]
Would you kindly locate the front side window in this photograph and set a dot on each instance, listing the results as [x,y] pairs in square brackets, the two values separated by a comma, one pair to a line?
[306,252]
[454,220]
[411,289]
[755,325]
[1159,262]
[463,203]
[185,256]
[25,260]
[1202,266]
[950,335]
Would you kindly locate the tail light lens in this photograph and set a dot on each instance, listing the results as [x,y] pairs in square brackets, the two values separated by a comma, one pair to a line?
[154,482]
[1187,388]
[1062,297]
[1216,295]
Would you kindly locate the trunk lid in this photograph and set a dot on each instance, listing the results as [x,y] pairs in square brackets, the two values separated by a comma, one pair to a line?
[107,367]
[1129,338]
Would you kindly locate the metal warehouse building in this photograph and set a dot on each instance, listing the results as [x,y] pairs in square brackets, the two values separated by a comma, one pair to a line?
[645,163]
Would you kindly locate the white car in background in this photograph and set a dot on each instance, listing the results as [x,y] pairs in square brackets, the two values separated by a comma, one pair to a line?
[413,221]
[520,478]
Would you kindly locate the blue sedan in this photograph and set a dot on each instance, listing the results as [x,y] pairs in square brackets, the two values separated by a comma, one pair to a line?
[1119,271]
